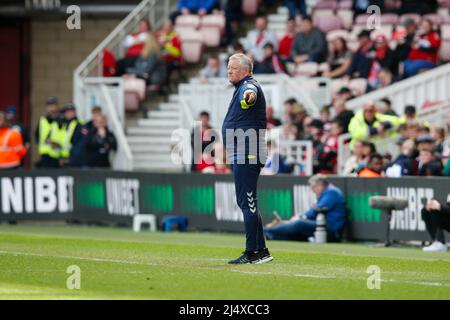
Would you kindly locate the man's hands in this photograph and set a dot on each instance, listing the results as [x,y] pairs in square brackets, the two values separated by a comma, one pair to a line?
[433,204]
[300,59]
[249,97]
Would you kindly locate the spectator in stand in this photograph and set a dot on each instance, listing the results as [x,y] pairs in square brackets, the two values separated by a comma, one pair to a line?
[276,163]
[287,41]
[342,115]
[213,69]
[344,94]
[270,118]
[73,141]
[325,117]
[202,136]
[200,7]
[309,44]
[356,160]
[171,48]
[96,112]
[388,107]
[360,6]
[374,168]
[150,65]
[327,156]
[410,115]
[100,142]
[436,216]
[134,43]
[233,18]
[11,116]
[361,60]
[405,39]
[219,165]
[271,63]
[428,164]
[256,39]
[385,79]
[12,150]
[339,60]
[46,129]
[367,124]
[438,135]
[424,50]
[382,57]
[302,227]
[404,164]
[425,142]
[295,6]
[238,48]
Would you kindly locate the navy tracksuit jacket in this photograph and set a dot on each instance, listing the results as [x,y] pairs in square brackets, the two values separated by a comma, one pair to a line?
[247,155]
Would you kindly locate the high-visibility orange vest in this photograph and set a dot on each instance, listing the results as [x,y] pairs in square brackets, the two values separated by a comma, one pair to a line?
[367,173]
[11,148]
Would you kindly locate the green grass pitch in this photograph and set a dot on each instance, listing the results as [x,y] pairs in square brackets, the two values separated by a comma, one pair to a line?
[120,264]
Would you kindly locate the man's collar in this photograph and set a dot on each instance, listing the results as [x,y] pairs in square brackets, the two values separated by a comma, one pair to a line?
[242,81]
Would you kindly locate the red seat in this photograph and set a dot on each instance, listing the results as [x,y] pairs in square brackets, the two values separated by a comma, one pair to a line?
[327,4]
[329,23]
[187,21]
[191,45]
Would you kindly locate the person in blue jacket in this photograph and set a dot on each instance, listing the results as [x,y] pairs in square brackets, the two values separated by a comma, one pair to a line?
[200,7]
[243,133]
[302,227]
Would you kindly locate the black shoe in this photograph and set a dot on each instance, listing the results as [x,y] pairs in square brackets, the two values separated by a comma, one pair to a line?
[251,257]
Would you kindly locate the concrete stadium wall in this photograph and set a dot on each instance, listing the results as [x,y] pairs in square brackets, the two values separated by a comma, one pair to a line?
[55,53]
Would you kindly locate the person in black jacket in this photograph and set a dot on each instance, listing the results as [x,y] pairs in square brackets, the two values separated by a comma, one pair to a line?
[405,43]
[428,164]
[100,142]
[436,216]
[361,61]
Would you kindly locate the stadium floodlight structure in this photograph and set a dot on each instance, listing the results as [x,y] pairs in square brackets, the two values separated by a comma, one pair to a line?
[388,205]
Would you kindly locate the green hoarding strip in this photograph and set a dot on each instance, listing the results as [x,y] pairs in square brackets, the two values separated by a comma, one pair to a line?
[158,198]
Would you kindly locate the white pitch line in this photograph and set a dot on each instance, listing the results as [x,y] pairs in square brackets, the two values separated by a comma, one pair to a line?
[434,284]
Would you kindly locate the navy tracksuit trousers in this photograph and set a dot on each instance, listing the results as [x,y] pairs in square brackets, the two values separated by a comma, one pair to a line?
[246,181]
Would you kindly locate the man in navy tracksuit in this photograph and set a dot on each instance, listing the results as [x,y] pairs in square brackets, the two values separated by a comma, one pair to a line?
[243,133]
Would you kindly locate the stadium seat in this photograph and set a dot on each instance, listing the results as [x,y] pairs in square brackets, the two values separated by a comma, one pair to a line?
[443,12]
[187,21]
[445,32]
[346,16]
[446,20]
[323,67]
[191,46]
[134,90]
[250,7]
[389,18]
[444,51]
[211,27]
[345,4]
[319,15]
[361,19]
[213,20]
[358,86]
[337,84]
[326,4]
[332,35]
[307,69]
[330,23]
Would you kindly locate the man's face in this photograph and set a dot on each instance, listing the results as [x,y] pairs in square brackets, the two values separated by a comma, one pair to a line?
[260,24]
[213,63]
[52,109]
[204,121]
[291,26]
[425,156]
[317,189]
[369,112]
[235,71]
[70,114]
[306,26]
[143,27]
[268,52]
[376,165]
[358,149]
[363,41]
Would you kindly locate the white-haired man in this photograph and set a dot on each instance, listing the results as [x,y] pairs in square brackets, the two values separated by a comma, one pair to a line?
[243,134]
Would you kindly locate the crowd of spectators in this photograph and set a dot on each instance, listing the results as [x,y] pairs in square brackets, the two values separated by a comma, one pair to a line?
[63,140]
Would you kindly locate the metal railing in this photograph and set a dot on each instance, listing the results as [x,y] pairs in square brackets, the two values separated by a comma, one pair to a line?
[89,83]
[432,85]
